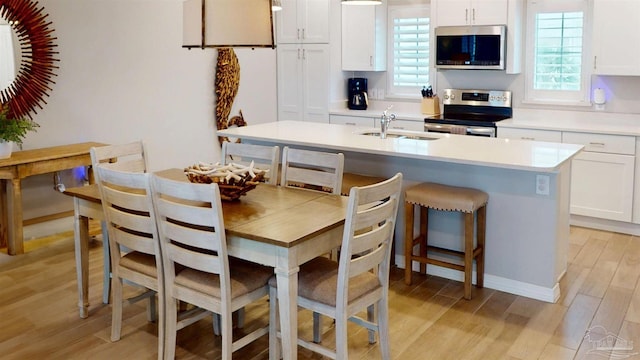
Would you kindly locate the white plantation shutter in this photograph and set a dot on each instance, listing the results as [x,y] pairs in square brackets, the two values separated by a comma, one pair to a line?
[557,72]
[558,51]
[409,52]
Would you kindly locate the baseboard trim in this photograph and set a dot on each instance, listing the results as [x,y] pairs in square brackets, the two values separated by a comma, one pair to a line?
[604,224]
[510,286]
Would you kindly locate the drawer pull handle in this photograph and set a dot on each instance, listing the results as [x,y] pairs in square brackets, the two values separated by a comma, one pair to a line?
[527,138]
[600,144]
[350,123]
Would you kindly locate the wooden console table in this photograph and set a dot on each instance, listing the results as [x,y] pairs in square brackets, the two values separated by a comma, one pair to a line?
[27,163]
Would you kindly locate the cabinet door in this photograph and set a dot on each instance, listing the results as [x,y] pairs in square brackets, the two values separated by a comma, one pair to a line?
[489,12]
[407,125]
[303,21]
[289,82]
[530,134]
[602,185]
[314,19]
[357,43]
[616,35]
[315,58]
[287,28]
[352,120]
[453,12]
[471,12]
[364,41]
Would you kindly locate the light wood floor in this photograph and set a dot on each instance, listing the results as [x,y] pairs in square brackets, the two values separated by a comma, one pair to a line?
[429,320]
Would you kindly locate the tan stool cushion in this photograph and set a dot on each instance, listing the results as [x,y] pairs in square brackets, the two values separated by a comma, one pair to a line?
[445,197]
[350,180]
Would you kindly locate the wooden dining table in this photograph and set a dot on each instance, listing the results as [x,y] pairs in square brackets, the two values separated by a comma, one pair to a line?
[271,225]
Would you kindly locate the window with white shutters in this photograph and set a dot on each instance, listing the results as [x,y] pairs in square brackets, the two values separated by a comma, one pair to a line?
[409,68]
[556,71]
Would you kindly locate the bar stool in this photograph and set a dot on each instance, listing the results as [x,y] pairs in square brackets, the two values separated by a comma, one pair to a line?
[446,198]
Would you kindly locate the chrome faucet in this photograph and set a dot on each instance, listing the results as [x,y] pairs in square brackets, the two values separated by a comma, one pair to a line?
[384,122]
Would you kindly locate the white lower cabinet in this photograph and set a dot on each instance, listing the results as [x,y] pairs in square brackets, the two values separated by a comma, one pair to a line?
[602,175]
[406,125]
[352,120]
[602,185]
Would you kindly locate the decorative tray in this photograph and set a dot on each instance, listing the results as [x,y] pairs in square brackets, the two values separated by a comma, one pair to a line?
[234,180]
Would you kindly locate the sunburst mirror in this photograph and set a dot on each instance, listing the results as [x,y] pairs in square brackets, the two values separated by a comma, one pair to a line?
[36,57]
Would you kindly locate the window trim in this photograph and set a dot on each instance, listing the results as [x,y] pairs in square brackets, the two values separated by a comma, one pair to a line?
[411,10]
[558,97]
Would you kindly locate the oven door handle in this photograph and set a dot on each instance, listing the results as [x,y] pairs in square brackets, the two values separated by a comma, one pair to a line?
[482,131]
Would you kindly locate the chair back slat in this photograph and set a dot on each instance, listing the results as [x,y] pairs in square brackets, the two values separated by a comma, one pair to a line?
[312,169]
[368,233]
[194,259]
[128,210]
[196,241]
[128,157]
[264,157]
[192,237]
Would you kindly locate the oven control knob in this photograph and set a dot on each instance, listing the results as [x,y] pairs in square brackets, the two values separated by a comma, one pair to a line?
[491,98]
[504,98]
[452,96]
[446,97]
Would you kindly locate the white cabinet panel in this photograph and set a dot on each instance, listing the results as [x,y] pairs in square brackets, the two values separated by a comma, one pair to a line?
[530,134]
[405,125]
[303,21]
[471,12]
[602,185]
[352,120]
[303,82]
[604,143]
[616,34]
[364,37]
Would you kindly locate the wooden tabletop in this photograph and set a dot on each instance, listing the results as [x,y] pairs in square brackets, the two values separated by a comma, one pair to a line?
[271,214]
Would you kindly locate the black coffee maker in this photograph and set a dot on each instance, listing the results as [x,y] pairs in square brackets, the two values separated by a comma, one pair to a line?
[357,88]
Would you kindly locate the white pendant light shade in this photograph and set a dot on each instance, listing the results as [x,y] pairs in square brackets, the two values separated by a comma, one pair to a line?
[227,23]
[276,5]
[361,2]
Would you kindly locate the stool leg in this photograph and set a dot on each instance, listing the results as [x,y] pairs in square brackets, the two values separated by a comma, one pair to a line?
[424,226]
[468,253]
[481,228]
[408,241]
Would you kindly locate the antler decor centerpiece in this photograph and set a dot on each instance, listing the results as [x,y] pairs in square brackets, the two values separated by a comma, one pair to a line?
[234,180]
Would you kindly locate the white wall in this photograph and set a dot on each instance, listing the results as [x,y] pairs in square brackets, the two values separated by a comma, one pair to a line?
[124,76]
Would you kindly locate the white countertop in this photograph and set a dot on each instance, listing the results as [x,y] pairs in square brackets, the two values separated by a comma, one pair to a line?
[541,119]
[580,121]
[471,150]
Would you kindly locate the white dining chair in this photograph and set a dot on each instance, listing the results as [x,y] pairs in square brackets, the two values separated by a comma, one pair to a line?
[125,157]
[192,236]
[358,281]
[264,157]
[129,215]
[312,169]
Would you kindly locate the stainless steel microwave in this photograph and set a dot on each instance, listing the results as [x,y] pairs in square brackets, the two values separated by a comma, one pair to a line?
[471,47]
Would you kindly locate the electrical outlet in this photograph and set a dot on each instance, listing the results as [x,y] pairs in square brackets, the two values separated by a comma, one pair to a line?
[381,94]
[373,93]
[542,184]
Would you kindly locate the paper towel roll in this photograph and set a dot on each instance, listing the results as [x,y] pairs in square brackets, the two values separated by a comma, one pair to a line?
[598,96]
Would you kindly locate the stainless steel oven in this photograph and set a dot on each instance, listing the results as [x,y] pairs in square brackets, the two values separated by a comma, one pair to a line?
[471,112]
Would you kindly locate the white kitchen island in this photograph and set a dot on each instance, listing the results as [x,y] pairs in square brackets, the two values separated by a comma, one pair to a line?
[527,182]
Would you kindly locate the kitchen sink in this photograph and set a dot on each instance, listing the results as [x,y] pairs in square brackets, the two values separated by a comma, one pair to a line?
[402,135]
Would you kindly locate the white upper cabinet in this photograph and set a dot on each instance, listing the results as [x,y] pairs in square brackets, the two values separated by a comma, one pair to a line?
[616,35]
[364,37]
[472,12]
[303,21]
